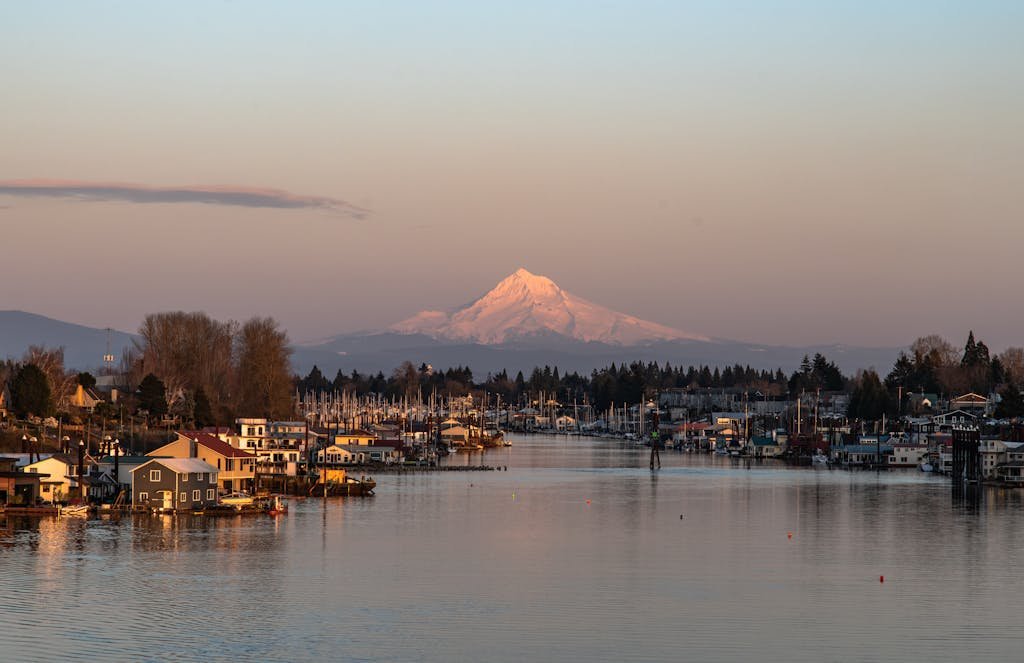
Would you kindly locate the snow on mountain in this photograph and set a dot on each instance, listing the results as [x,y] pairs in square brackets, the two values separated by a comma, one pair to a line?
[525,305]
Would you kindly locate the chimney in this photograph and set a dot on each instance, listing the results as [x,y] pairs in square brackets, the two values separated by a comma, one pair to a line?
[193,449]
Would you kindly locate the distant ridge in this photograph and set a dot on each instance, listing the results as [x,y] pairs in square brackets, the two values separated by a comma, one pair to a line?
[84,347]
[525,305]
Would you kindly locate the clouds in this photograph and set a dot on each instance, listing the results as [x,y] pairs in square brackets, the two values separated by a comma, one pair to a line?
[206,194]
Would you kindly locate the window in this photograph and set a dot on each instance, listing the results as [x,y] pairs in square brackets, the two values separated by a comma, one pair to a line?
[211,494]
[184,477]
[154,475]
[143,497]
[197,495]
[182,497]
[213,479]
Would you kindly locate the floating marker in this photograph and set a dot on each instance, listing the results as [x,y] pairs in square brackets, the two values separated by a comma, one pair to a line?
[588,501]
[680,516]
[789,535]
[881,578]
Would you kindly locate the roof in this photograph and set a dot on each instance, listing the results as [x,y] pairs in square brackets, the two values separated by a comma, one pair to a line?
[215,444]
[64,458]
[865,449]
[127,460]
[181,465]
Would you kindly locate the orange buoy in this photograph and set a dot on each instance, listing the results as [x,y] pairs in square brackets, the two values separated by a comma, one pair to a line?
[588,501]
[789,535]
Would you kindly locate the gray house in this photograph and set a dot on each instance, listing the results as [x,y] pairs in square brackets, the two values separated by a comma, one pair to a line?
[174,484]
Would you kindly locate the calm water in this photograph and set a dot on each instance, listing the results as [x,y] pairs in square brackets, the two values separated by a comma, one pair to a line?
[517,565]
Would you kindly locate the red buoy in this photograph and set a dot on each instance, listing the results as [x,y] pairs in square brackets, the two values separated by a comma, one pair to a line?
[881,578]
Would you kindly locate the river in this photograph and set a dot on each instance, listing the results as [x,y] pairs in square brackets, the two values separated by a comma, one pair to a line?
[578,553]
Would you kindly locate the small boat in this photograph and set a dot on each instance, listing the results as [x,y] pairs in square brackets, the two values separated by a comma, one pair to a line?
[276,505]
[237,500]
[819,459]
[75,510]
[926,467]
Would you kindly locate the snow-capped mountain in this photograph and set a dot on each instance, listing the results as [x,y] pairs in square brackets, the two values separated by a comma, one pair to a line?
[526,305]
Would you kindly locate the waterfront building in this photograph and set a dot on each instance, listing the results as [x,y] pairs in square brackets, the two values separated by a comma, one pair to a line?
[18,488]
[61,482]
[237,467]
[971,402]
[174,484]
[947,421]
[907,454]
[125,465]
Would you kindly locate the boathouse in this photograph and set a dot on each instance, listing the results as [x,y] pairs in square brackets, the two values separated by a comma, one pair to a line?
[17,488]
[174,484]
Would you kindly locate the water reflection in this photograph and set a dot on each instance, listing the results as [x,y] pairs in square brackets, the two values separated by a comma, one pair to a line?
[578,552]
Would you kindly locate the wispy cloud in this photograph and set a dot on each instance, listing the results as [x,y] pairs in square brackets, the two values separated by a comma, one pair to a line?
[206,194]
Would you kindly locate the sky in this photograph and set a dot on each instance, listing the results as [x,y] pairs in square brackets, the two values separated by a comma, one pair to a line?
[779,172]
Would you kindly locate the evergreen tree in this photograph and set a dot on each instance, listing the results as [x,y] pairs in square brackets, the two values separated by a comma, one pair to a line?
[153,396]
[202,413]
[86,380]
[1012,403]
[870,399]
[30,392]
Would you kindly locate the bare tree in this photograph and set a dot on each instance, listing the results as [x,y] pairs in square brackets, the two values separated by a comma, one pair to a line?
[188,351]
[1012,360]
[264,371]
[937,349]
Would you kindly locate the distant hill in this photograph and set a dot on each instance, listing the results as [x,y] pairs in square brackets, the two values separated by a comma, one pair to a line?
[384,351]
[84,347]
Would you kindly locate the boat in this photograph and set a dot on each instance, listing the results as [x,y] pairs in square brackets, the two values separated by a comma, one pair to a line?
[819,459]
[75,510]
[926,467]
[275,505]
[237,500]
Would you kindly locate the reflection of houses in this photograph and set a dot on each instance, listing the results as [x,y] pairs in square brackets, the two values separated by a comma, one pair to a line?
[237,467]
[174,484]
[18,488]
[5,400]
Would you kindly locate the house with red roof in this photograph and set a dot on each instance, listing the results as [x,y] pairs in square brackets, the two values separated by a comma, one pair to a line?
[236,467]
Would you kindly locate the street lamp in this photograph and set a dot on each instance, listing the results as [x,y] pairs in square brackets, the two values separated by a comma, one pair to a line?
[81,469]
[117,474]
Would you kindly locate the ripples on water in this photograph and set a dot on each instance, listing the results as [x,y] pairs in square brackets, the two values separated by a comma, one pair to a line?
[690,563]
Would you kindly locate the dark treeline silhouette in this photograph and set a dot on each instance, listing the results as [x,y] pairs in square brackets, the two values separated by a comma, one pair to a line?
[617,383]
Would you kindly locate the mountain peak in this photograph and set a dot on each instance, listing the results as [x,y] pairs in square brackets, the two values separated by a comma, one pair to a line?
[524,304]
